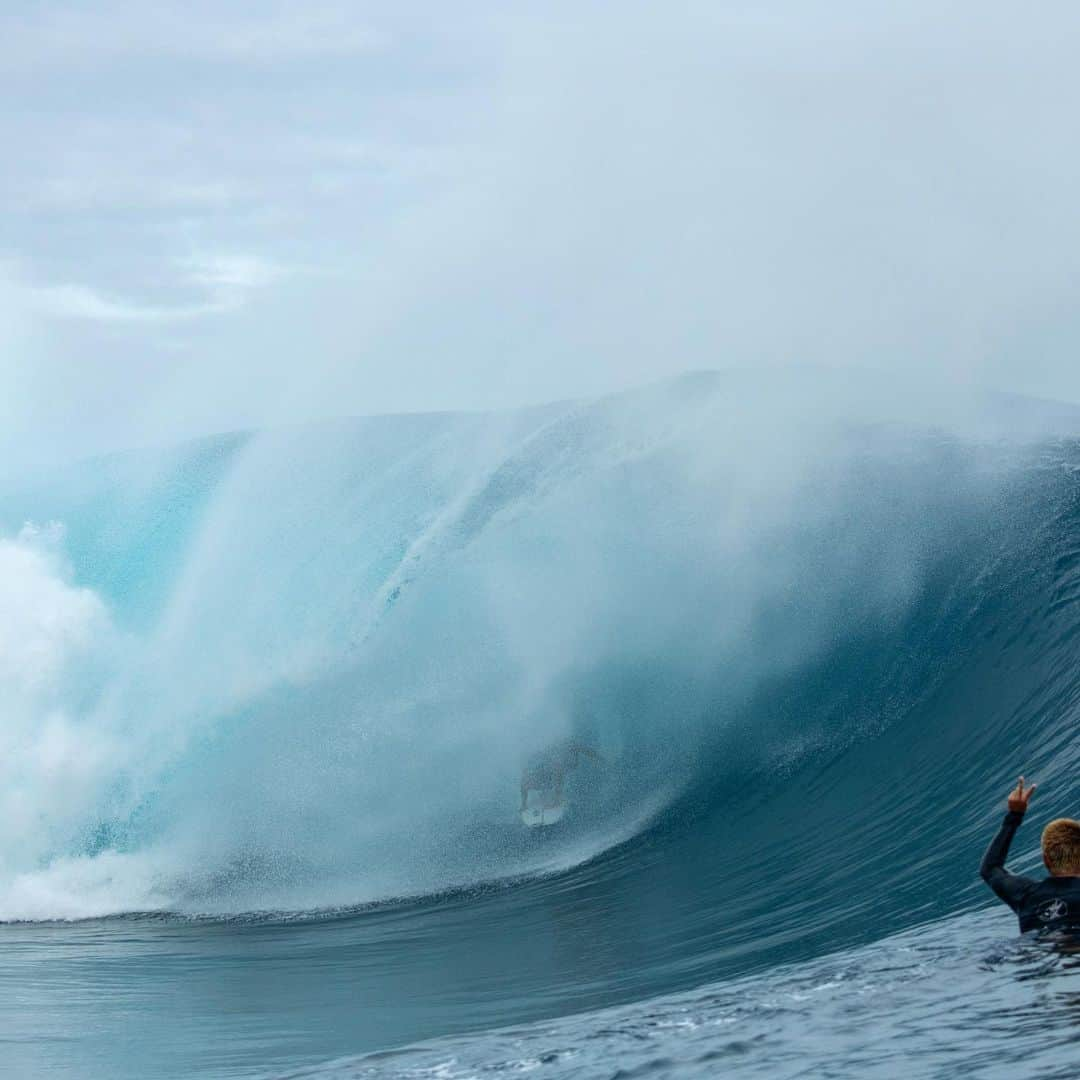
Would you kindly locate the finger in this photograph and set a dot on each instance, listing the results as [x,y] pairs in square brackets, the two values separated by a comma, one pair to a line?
[1030,791]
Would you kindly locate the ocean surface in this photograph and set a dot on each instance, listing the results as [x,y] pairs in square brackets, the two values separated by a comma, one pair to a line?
[268,695]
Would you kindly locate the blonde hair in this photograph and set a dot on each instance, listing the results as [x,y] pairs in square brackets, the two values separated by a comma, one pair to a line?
[1061,847]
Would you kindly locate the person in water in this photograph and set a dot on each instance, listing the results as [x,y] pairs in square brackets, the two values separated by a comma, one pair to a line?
[1054,902]
[546,771]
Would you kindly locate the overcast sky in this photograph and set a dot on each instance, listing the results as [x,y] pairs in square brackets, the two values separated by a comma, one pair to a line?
[214,215]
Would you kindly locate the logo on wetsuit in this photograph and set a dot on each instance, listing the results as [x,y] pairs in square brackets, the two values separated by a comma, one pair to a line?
[1053,909]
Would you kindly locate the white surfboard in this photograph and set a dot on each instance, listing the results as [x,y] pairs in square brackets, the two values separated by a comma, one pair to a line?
[536,814]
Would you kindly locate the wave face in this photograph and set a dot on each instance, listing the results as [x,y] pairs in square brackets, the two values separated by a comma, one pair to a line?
[300,670]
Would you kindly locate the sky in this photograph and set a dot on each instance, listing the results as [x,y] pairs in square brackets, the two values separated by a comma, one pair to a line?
[222,215]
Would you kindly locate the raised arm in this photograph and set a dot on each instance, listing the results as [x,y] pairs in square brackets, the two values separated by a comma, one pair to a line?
[1009,887]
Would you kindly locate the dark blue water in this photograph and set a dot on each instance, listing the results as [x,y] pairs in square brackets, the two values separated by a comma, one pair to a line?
[269,696]
[948,999]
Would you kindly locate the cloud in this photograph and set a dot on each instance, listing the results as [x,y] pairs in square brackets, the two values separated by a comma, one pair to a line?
[232,272]
[69,34]
[104,182]
[225,280]
[82,302]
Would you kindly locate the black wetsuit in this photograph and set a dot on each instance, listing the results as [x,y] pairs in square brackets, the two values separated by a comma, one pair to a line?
[1050,904]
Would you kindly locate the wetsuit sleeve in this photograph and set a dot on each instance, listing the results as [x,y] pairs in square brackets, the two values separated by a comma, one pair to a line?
[1012,888]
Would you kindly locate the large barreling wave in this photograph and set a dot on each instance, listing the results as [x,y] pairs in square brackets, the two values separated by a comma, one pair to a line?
[300,670]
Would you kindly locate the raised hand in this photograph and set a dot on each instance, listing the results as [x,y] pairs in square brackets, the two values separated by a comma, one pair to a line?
[1019,796]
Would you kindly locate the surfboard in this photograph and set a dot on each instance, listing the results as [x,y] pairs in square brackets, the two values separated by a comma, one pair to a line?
[536,816]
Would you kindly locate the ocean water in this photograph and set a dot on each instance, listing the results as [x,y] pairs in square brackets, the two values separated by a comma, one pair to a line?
[268,696]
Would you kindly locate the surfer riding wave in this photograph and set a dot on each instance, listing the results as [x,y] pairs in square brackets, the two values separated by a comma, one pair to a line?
[546,771]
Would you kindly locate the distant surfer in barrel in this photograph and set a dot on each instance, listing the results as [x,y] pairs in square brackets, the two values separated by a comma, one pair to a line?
[1054,902]
[546,771]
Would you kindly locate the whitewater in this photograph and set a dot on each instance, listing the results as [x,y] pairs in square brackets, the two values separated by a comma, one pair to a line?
[268,695]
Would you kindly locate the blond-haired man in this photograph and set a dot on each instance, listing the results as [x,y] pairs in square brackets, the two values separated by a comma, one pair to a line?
[1054,902]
